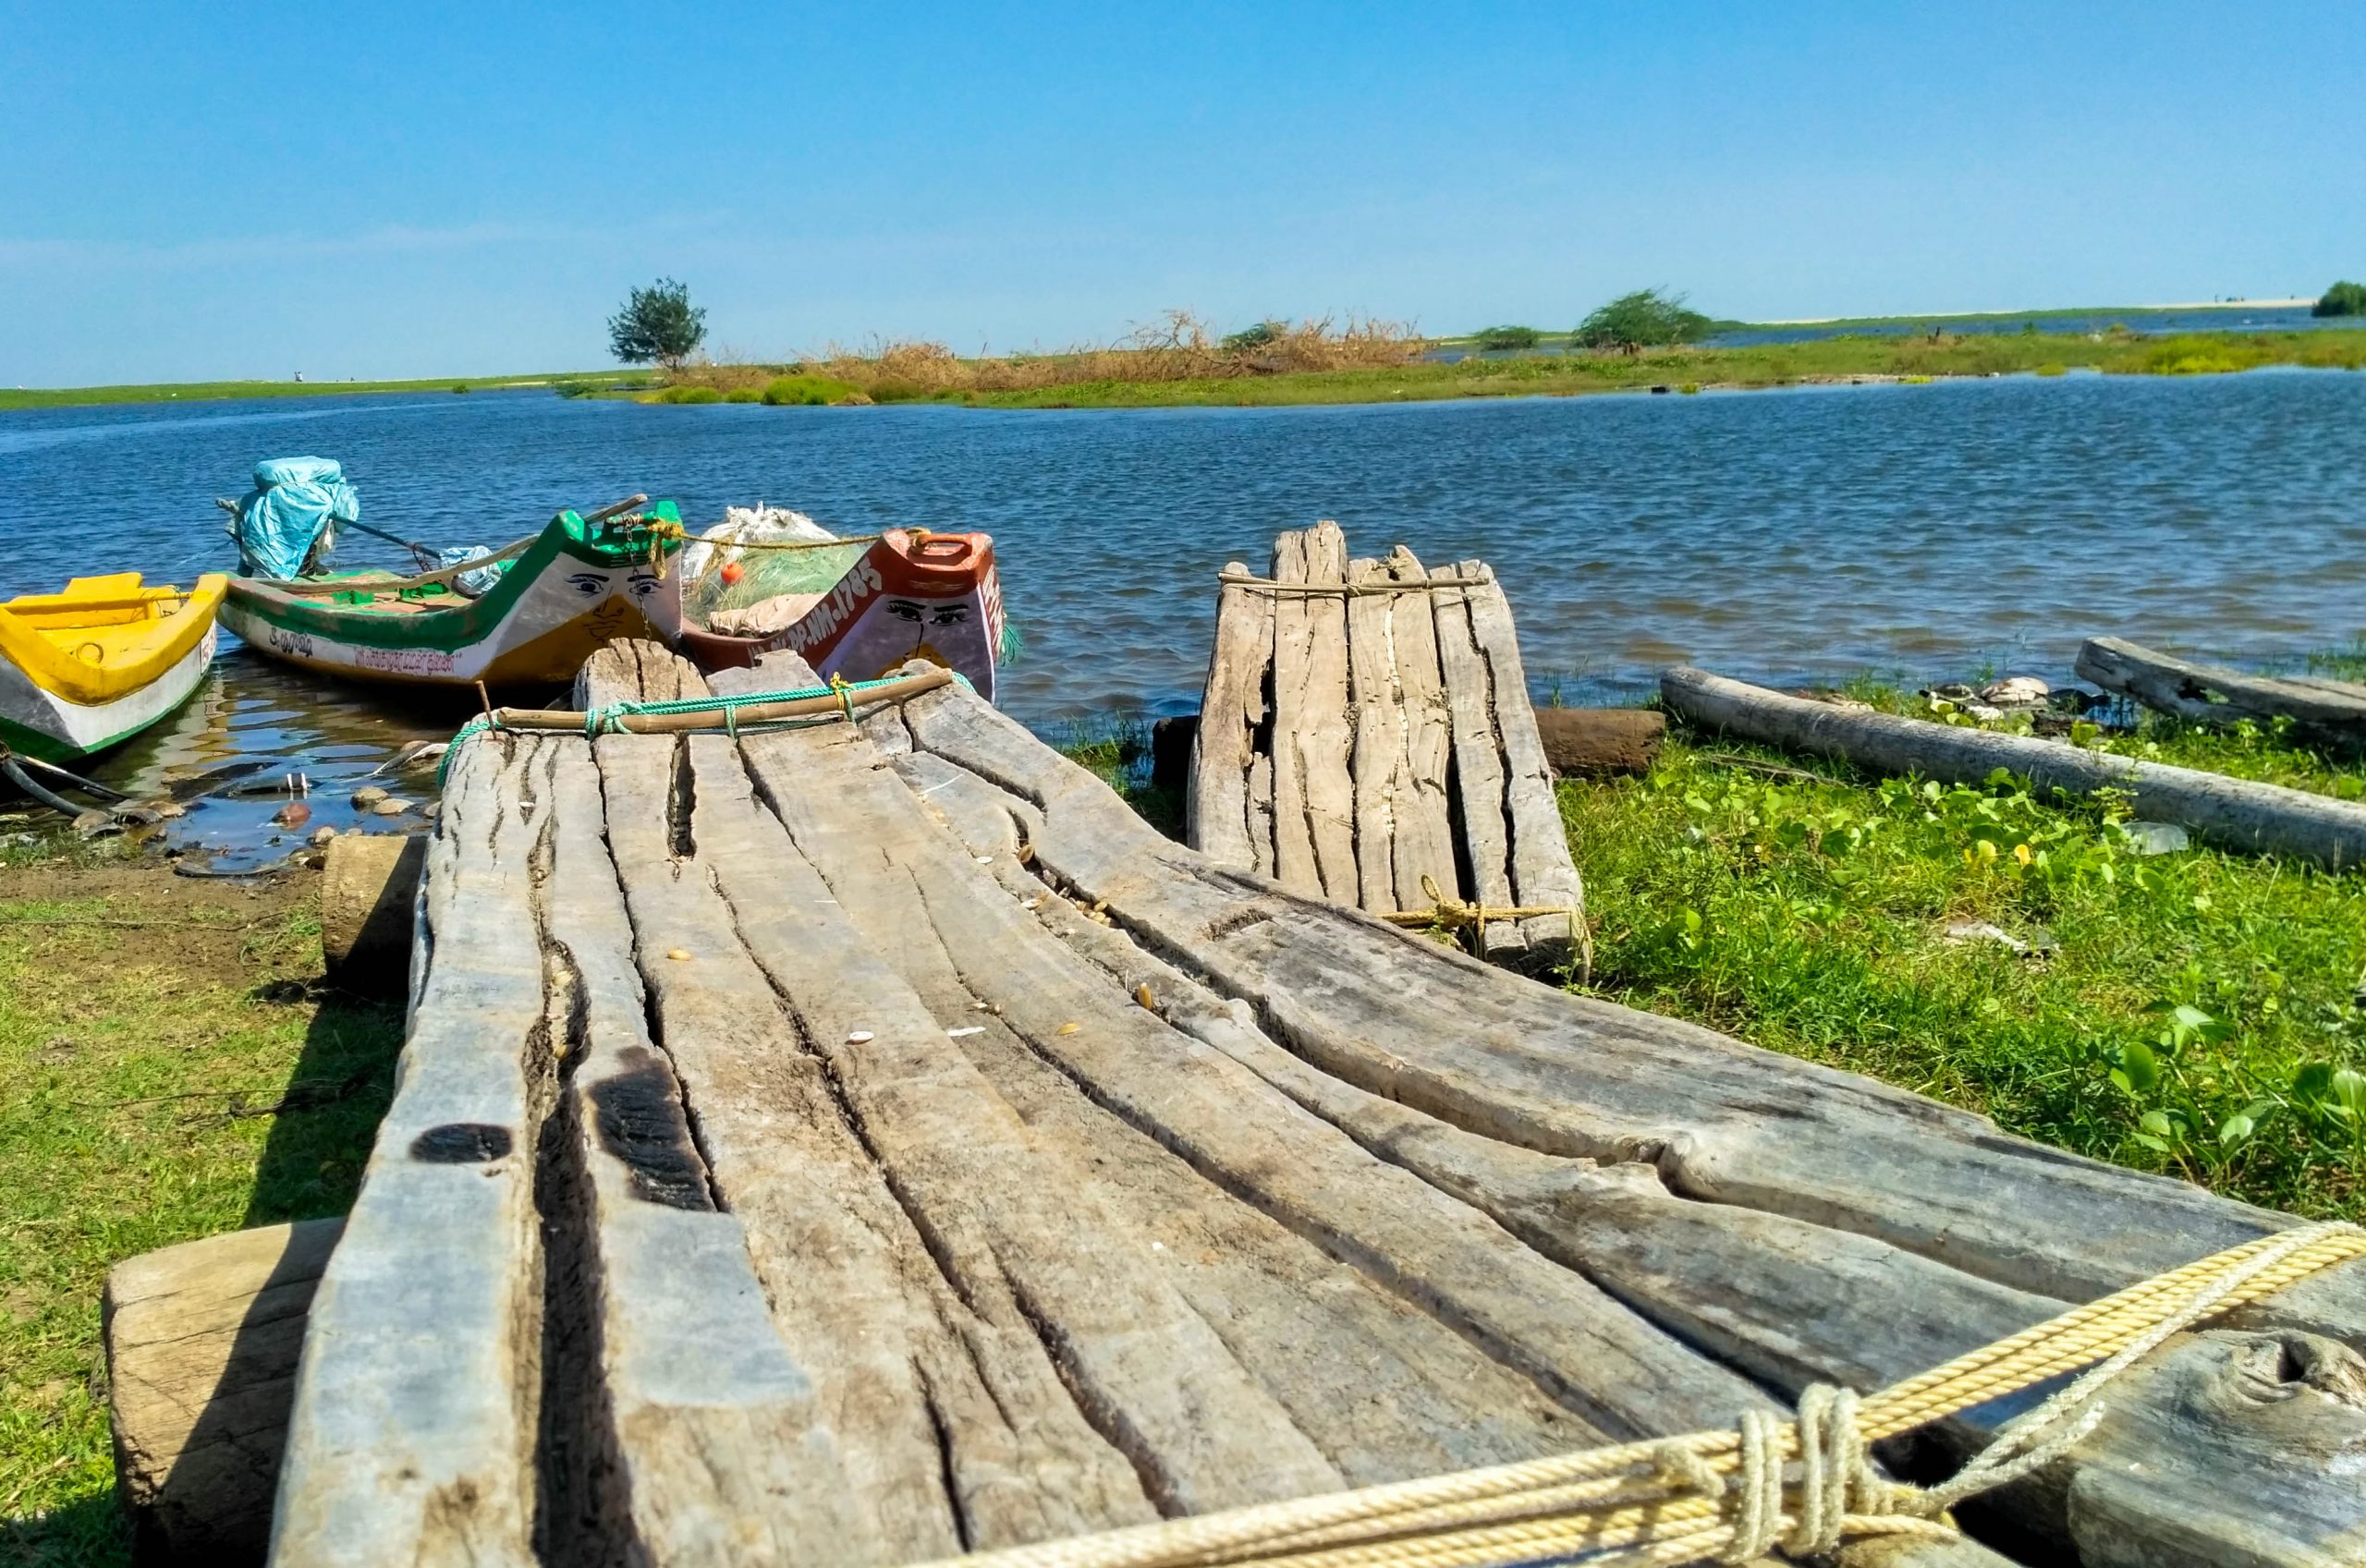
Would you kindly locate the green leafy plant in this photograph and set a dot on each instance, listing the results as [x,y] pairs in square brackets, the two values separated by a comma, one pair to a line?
[2343,299]
[1644,319]
[1506,339]
[657,323]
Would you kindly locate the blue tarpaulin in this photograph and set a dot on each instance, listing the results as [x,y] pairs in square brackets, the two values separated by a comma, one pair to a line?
[287,522]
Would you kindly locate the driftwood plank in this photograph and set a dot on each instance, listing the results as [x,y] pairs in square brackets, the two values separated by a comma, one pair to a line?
[1376,726]
[1481,823]
[1543,875]
[2322,710]
[1423,845]
[1314,835]
[1232,716]
[415,1407]
[965,943]
[676,1428]
[2236,813]
[952,1421]
[1568,1074]
[202,1343]
[1788,1296]
[1161,1409]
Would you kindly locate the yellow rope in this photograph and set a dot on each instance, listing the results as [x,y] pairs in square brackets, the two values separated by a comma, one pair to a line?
[1803,1485]
[1453,914]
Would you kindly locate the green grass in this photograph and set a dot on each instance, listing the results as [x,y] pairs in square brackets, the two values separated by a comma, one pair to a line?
[132,1062]
[207,391]
[2194,1012]
[1778,364]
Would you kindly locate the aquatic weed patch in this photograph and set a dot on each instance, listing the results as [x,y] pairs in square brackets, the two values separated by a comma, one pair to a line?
[2194,1012]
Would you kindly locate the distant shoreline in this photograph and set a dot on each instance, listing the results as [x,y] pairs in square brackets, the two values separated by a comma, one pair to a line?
[2039,315]
[982,384]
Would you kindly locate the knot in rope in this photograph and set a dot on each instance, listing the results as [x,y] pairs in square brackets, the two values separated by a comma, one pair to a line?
[1839,1494]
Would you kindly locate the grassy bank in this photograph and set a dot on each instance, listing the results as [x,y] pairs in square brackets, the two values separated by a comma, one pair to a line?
[2194,1012]
[1182,366]
[168,1070]
[214,391]
[1379,373]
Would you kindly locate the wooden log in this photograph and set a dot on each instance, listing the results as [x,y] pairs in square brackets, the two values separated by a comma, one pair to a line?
[1216,812]
[1543,875]
[1482,825]
[1723,1274]
[2233,813]
[2322,710]
[1565,1074]
[954,1426]
[369,902]
[963,941]
[676,1428]
[1314,835]
[1423,810]
[201,1345]
[418,1393]
[1593,743]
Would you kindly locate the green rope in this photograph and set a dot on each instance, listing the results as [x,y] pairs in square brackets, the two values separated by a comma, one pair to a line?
[609,720]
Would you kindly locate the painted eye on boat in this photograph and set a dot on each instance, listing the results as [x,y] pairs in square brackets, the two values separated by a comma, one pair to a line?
[589,583]
[643,585]
[948,614]
[904,610]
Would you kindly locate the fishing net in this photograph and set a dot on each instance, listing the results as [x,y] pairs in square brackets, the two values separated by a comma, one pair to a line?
[759,554]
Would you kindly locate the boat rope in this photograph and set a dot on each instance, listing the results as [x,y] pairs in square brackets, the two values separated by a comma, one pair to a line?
[755,712]
[1350,590]
[1805,1485]
[1454,915]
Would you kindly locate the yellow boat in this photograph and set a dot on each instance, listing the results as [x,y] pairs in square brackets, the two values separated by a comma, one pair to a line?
[85,669]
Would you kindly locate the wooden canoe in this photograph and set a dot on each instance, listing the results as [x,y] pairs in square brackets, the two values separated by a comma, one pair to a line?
[579,584]
[91,666]
[856,609]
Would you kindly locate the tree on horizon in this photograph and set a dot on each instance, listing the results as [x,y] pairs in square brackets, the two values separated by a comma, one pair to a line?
[657,323]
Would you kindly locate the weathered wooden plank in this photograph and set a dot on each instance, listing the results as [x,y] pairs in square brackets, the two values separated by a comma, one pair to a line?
[415,1408]
[1232,715]
[985,964]
[1153,1395]
[1543,875]
[1794,1301]
[1423,846]
[952,1421]
[201,1345]
[676,1428]
[1261,813]
[1314,835]
[1482,824]
[2236,813]
[1568,1074]
[2321,709]
[1376,730]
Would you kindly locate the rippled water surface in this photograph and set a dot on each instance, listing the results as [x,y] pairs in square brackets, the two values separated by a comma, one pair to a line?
[1780,535]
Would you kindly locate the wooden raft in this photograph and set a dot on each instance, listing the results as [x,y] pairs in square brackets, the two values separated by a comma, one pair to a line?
[1372,742]
[866,1145]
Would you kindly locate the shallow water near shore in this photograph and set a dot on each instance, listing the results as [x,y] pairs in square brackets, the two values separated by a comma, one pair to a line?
[1787,535]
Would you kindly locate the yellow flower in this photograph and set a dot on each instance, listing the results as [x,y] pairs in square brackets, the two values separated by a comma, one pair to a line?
[2021,852]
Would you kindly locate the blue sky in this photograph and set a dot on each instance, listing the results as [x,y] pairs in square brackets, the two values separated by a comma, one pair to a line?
[424,189]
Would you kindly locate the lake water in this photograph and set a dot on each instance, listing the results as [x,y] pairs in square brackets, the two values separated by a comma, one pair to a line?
[1782,536]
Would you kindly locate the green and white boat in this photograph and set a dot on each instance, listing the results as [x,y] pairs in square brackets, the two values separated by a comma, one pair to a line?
[529,615]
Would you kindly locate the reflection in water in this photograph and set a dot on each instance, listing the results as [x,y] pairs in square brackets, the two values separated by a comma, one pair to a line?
[1785,536]
[228,753]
